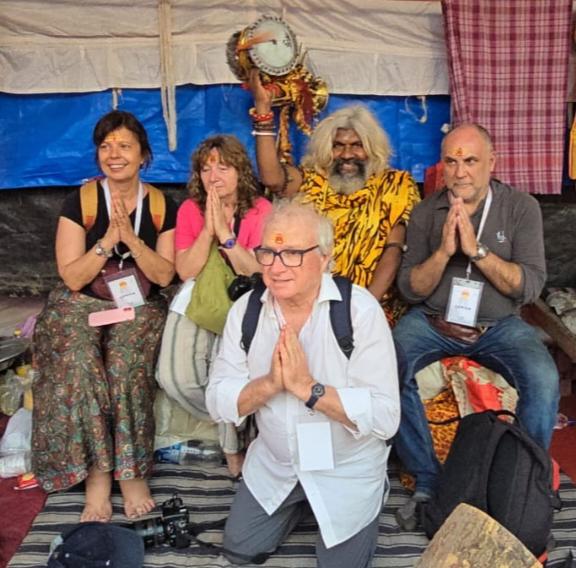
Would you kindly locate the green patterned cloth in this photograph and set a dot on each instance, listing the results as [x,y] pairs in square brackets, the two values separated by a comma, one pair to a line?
[95,390]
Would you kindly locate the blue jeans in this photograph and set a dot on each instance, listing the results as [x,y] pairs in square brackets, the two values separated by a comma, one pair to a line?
[511,348]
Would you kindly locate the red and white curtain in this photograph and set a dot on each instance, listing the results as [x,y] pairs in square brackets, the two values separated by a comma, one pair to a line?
[508,69]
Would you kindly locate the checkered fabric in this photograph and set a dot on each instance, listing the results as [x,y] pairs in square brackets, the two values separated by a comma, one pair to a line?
[509,72]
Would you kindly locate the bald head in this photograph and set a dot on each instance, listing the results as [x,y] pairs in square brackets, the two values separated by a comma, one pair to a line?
[468,159]
[469,129]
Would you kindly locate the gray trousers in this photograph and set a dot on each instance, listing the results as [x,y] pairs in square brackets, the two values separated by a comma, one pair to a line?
[250,532]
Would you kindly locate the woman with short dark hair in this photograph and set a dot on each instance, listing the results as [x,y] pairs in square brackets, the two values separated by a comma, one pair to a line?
[93,411]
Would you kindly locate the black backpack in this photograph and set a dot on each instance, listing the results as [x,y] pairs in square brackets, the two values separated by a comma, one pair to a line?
[495,466]
[340,317]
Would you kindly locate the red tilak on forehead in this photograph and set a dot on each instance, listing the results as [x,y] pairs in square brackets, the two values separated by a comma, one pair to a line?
[459,151]
[279,239]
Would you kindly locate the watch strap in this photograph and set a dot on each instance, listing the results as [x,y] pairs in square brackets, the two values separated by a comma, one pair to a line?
[481,252]
[316,392]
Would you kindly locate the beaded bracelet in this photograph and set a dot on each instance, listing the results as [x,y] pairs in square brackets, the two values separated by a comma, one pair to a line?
[267,116]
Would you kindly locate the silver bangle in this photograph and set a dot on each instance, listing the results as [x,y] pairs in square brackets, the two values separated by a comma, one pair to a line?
[400,246]
[139,254]
[263,133]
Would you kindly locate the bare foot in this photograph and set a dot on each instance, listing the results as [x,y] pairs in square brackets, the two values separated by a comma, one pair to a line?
[137,498]
[234,463]
[98,506]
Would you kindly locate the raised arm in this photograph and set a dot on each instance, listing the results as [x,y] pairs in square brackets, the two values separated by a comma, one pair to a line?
[285,180]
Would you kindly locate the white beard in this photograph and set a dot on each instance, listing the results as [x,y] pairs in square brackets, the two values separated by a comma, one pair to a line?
[346,185]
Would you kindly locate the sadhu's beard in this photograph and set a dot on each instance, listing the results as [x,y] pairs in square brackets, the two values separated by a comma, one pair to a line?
[345,183]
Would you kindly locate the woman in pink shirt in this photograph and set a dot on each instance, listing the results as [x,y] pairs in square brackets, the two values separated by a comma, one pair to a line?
[226,207]
[224,193]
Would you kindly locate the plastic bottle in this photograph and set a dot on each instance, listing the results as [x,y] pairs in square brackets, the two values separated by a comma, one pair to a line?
[27,375]
[189,452]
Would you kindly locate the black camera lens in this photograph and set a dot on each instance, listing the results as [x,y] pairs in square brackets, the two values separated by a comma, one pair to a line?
[151,531]
[242,284]
[171,527]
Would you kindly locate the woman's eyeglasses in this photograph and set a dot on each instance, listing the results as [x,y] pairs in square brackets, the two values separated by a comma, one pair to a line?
[291,258]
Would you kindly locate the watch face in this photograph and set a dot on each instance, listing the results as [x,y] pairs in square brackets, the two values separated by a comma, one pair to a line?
[318,389]
[274,50]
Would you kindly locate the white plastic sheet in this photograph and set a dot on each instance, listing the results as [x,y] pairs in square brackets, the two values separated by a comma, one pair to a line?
[15,445]
[372,47]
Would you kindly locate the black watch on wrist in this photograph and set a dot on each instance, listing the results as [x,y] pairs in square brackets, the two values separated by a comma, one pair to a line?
[316,392]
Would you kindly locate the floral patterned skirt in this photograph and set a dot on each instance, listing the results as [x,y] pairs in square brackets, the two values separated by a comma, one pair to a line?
[94,391]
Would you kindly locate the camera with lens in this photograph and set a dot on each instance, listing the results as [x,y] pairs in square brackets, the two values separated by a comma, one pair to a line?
[242,284]
[171,527]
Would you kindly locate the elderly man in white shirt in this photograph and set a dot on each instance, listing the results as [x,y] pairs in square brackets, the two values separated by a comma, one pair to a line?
[323,420]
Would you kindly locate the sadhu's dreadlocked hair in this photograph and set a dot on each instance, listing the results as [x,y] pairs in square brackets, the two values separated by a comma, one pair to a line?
[358,118]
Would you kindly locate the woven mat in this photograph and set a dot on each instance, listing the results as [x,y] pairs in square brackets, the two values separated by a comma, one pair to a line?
[208,492]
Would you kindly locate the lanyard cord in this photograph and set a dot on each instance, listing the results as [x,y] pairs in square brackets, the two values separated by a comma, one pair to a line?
[487,206]
[137,220]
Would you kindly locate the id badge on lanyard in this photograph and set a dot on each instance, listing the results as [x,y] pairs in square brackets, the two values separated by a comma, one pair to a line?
[466,294]
[314,438]
[125,288]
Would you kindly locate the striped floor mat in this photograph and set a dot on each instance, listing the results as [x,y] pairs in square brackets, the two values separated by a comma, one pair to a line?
[208,492]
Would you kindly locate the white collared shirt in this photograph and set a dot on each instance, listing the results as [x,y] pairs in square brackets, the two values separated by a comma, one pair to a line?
[349,497]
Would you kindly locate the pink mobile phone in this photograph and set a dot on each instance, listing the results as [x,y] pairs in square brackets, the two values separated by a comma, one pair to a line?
[106,317]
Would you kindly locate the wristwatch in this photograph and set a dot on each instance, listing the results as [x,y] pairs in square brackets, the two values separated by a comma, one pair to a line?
[481,252]
[316,392]
[229,242]
[101,251]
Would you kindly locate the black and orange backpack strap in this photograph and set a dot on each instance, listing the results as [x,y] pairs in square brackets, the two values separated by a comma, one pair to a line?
[89,203]
[157,206]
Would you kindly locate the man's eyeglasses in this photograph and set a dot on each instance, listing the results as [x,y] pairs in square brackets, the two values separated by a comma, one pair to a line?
[291,258]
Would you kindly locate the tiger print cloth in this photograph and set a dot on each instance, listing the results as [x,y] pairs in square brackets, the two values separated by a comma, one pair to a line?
[363,221]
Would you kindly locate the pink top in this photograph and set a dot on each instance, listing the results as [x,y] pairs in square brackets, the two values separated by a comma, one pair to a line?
[190,221]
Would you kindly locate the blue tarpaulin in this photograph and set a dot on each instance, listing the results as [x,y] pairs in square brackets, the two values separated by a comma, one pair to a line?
[46,140]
